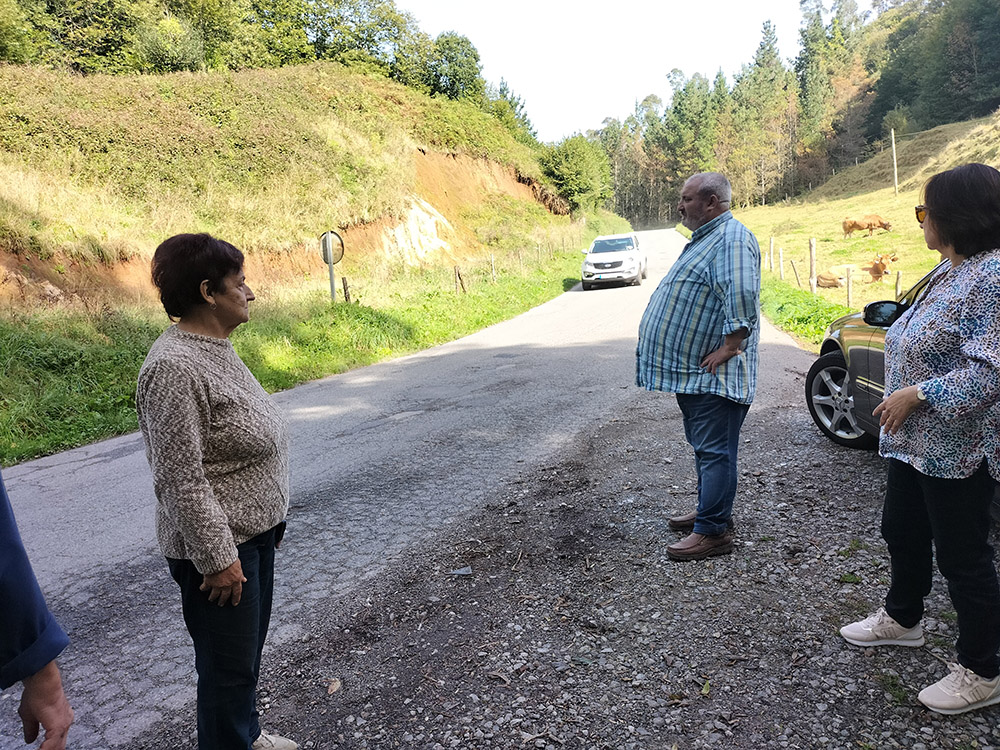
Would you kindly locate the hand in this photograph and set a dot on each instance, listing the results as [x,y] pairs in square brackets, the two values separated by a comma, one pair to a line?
[226,585]
[720,356]
[896,407]
[44,703]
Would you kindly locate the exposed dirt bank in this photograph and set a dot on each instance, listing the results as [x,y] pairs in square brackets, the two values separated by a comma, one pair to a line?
[433,229]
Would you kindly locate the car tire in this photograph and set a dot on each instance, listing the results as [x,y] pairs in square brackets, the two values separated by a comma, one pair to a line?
[645,271]
[830,398]
[586,287]
[638,279]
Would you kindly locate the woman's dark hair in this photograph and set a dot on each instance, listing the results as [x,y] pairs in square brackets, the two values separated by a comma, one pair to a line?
[964,204]
[182,262]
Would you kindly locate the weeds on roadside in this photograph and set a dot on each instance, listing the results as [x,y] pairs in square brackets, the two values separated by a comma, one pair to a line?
[67,377]
[853,546]
[797,311]
[893,687]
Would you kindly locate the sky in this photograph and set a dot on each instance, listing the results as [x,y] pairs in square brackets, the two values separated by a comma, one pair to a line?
[575,63]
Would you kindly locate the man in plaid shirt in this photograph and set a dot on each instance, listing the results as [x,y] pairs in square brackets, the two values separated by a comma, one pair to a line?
[698,339]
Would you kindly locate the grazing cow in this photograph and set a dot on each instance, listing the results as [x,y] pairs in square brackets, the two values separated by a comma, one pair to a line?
[879,269]
[874,221]
[852,225]
[871,222]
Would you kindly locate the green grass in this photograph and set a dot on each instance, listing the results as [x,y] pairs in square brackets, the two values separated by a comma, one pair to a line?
[797,311]
[855,192]
[853,546]
[893,687]
[68,377]
[100,168]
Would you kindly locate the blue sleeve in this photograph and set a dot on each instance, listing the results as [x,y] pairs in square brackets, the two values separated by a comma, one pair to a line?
[30,637]
[737,273]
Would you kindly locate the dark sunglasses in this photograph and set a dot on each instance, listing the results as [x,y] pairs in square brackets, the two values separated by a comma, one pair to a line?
[921,212]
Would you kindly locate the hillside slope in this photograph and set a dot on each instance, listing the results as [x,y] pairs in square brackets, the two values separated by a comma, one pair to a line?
[95,171]
[868,189]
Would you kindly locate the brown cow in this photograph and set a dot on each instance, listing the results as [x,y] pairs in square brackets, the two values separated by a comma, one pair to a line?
[835,276]
[871,222]
[879,269]
[874,221]
[852,225]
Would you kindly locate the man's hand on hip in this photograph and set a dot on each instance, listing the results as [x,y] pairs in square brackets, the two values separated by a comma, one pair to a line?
[732,346]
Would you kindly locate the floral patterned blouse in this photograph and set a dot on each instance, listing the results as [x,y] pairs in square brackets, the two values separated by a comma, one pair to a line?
[948,343]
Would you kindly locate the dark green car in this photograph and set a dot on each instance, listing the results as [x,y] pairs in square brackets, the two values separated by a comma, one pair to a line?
[847,382]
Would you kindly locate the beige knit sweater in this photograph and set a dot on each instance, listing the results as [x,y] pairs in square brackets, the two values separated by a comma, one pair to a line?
[217,445]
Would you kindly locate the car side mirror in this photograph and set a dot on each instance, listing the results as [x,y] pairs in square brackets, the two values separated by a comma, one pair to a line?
[883,314]
[585,251]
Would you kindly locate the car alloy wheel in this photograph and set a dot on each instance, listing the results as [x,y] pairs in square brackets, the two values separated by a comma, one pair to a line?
[831,402]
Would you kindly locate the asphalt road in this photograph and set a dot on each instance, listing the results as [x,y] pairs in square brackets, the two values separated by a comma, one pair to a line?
[382,458]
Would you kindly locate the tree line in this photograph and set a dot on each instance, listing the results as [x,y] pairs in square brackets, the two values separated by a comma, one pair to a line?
[777,130]
[781,129]
[166,36]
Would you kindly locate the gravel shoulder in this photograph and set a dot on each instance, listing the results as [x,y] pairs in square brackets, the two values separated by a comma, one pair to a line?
[553,618]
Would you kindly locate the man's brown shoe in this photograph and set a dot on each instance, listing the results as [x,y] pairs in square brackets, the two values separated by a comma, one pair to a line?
[699,546]
[685,522]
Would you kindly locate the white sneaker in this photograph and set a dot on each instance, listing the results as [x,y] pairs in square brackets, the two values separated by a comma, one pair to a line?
[881,630]
[273,742]
[962,690]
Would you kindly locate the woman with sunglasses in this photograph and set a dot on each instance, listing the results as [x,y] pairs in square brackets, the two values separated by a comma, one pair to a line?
[941,434]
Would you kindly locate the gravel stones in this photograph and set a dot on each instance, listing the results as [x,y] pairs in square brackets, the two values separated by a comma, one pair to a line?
[574,629]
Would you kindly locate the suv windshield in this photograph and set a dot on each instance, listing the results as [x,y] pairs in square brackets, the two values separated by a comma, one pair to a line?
[612,245]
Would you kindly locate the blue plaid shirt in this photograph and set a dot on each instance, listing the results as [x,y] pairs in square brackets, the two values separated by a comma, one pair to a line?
[712,290]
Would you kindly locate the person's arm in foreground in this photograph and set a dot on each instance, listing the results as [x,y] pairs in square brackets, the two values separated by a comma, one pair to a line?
[44,705]
[30,639]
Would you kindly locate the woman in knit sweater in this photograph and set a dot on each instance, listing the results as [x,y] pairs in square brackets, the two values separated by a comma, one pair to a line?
[218,449]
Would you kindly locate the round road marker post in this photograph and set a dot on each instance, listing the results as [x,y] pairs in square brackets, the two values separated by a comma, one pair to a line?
[331,247]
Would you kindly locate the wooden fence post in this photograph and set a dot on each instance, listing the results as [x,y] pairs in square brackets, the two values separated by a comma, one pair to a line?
[796,271]
[899,283]
[493,268]
[850,285]
[781,263]
[347,290]
[770,256]
[812,265]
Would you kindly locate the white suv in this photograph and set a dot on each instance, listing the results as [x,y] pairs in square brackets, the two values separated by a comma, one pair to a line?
[612,258]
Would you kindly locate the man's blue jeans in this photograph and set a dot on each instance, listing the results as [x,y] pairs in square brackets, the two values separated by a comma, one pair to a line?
[227,646]
[712,427]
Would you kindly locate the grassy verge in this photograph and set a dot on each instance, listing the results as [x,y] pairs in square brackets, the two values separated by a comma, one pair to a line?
[797,311]
[68,377]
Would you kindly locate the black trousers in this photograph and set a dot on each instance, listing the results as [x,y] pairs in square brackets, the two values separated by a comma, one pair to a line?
[954,514]
[227,645]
